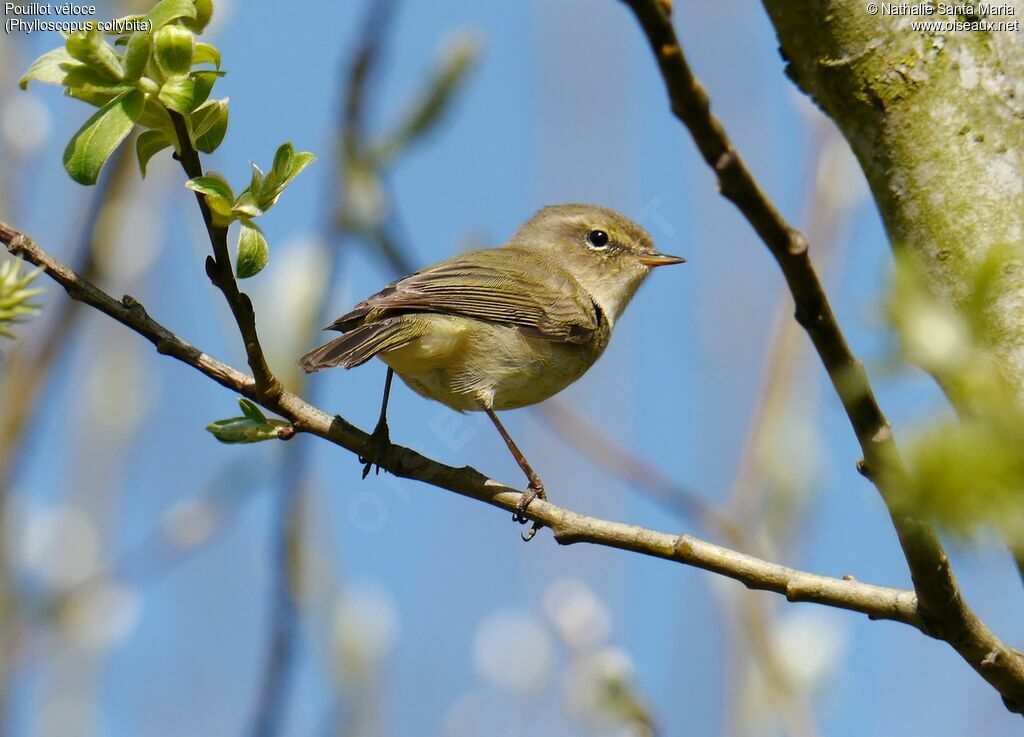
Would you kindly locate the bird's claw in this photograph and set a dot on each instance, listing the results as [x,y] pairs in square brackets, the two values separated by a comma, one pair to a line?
[534,491]
[380,441]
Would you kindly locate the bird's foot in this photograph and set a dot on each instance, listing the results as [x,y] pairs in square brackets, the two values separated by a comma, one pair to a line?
[380,441]
[534,491]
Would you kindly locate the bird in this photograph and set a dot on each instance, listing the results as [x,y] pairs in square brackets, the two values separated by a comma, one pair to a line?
[500,328]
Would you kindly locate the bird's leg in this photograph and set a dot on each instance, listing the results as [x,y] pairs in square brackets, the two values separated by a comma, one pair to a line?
[380,438]
[534,490]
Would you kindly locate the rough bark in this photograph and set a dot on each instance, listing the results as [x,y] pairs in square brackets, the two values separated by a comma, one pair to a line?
[936,120]
[944,612]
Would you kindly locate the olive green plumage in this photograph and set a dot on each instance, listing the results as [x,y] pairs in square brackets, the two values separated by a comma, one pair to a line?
[505,327]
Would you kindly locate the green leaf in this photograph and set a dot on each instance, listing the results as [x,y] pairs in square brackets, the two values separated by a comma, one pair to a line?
[90,48]
[250,410]
[204,12]
[92,145]
[154,115]
[206,54]
[212,185]
[246,205]
[173,47]
[965,474]
[136,56]
[253,252]
[299,163]
[256,180]
[219,196]
[185,94]
[85,83]
[237,430]
[282,159]
[15,296]
[205,79]
[147,145]
[287,166]
[223,213]
[166,11]
[97,97]
[49,68]
[123,25]
[83,76]
[209,124]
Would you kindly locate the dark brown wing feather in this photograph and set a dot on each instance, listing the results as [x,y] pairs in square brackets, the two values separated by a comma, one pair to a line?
[359,345]
[499,285]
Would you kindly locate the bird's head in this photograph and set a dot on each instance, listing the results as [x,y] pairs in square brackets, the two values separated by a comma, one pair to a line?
[608,254]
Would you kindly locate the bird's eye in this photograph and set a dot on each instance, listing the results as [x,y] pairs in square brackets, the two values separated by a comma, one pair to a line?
[597,239]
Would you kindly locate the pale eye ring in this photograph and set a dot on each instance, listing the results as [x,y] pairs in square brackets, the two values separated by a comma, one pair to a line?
[597,239]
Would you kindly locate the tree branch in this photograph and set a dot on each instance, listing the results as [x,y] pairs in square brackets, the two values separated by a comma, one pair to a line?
[218,268]
[915,107]
[944,612]
[900,103]
[877,602]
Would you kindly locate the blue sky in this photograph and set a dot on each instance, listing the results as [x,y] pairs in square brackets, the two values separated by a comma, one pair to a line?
[566,105]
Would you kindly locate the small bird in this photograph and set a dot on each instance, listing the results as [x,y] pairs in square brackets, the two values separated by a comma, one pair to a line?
[500,328]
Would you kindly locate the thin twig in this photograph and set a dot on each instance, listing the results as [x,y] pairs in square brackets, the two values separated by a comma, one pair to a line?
[944,611]
[878,602]
[219,267]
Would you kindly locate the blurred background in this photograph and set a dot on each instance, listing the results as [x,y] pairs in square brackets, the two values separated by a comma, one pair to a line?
[155,582]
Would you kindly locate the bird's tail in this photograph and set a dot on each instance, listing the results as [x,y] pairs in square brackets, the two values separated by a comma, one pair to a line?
[358,346]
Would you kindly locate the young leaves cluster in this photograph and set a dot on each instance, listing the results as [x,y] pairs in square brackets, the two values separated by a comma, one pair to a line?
[252,427]
[143,78]
[966,473]
[261,194]
[15,295]
[137,79]
[153,72]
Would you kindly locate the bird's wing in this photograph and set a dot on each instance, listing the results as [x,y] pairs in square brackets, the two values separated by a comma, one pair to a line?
[503,286]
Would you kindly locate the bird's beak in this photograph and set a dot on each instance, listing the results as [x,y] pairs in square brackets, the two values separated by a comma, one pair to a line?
[660,259]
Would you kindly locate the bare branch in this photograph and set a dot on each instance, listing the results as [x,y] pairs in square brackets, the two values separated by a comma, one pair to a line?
[942,608]
[878,602]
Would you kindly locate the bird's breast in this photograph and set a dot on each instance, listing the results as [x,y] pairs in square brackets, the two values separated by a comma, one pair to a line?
[469,364]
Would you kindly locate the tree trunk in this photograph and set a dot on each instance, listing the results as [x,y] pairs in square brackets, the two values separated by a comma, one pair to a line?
[936,120]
